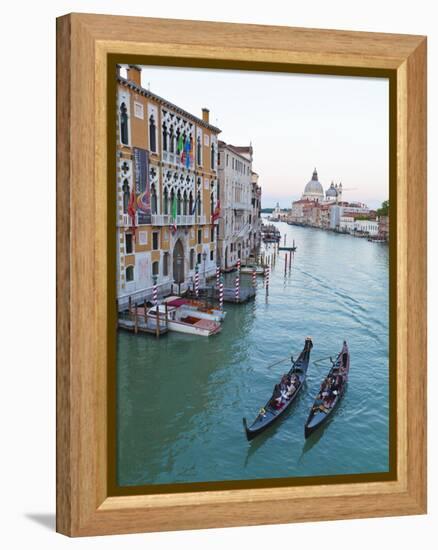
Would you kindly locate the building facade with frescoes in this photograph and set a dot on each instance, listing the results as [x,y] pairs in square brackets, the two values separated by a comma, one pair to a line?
[167,192]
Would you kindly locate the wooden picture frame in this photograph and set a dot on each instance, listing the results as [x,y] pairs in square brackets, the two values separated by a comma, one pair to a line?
[84,45]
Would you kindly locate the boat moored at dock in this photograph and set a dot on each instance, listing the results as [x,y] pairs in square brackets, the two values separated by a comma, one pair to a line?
[196,308]
[284,394]
[185,321]
[330,394]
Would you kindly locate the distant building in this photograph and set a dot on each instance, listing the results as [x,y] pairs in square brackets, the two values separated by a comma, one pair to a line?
[237,226]
[383,232]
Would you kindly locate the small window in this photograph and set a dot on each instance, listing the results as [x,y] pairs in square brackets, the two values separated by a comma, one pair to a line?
[124,133]
[155,241]
[212,234]
[126,195]
[211,255]
[155,268]
[199,258]
[152,134]
[199,236]
[166,264]
[128,243]
[129,273]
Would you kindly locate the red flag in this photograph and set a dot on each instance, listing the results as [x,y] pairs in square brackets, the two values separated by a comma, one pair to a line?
[132,207]
[216,213]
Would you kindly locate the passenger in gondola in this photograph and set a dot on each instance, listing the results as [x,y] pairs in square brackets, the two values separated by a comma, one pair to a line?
[276,397]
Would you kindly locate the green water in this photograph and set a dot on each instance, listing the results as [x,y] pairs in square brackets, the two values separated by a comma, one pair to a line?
[181,399]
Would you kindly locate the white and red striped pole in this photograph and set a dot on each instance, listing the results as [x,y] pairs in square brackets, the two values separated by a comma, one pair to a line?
[221,295]
[218,276]
[197,282]
[254,277]
[155,292]
[267,279]
[237,288]
[238,266]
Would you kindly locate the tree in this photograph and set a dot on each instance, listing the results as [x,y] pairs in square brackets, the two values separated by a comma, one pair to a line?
[384,210]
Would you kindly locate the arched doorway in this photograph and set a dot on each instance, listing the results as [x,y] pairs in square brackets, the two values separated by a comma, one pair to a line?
[178,262]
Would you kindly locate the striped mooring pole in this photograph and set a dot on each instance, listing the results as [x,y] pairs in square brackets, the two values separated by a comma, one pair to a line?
[267,279]
[238,266]
[254,278]
[155,293]
[197,282]
[221,294]
[218,276]
[237,289]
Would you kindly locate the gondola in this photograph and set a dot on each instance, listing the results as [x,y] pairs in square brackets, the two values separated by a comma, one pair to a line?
[323,408]
[269,413]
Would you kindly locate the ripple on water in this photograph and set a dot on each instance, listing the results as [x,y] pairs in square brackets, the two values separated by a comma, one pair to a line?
[181,399]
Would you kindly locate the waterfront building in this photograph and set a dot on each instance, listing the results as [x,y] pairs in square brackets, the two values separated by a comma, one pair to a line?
[346,224]
[237,224]
[366,227]
[167,192]
[256,220]
[383,231]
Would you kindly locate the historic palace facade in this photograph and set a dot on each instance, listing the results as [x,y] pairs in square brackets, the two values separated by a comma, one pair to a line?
[238,227]
[167,192]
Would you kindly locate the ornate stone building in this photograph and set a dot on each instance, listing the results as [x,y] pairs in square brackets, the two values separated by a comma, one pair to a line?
[239,225]
[167,192]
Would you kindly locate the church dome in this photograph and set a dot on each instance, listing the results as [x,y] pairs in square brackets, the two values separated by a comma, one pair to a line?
[314,190]
[331,191]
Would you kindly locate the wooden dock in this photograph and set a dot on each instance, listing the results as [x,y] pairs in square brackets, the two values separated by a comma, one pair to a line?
[137,320]
[211,294]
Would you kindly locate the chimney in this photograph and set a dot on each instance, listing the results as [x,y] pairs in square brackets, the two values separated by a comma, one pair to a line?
[206,115]
[134,74]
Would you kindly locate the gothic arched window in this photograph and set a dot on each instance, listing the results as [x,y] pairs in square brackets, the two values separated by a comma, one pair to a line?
[198,202]
[166,201]
[125,189]
[154,205]
[164,137]
[198,150]
[171,140]
[213,157]
[185,203]
[124,133]
[191,204]
[152,134]
[178,203]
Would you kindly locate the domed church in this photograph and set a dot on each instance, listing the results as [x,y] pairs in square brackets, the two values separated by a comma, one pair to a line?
[313,190]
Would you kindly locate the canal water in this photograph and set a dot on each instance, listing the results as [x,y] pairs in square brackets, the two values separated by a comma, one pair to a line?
[181,399]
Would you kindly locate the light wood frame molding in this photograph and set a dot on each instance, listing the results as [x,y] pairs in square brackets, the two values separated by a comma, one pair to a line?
[84,506]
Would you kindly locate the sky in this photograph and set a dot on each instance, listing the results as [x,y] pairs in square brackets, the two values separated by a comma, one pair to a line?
[338,125]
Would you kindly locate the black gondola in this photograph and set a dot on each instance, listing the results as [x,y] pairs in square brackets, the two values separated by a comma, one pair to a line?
[334,385]
[271,411]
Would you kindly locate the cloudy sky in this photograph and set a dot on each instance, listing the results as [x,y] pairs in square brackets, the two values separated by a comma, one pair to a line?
[340,125]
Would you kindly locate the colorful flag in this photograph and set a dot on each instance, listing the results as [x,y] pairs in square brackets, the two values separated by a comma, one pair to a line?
[187,153]
[180,144]
[132,207]
[174,211]
[216,213]
[193,212]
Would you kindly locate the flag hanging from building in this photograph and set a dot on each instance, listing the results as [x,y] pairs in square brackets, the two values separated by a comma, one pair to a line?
[132,207]
[174,213]
[193,212]
[187,153]
[180,144]
[217,212]
[142,185]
